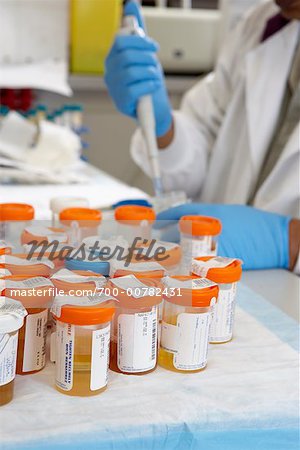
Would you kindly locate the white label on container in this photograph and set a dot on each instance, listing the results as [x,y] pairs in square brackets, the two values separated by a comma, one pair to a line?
[131,286]
[169,337]
[137,341]
[100,358]
[64,358]
[52,346]
[8,357]
[188,340]
[35,341]
[70,277]
[150,266]
[223,314]
[201,283]
[30,283]
[201,268]
[10,306]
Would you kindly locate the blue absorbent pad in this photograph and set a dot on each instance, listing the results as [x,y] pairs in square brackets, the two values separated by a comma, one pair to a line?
[246,399]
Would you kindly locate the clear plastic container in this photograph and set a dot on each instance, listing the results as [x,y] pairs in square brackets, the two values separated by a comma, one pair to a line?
[135,222]
[134,335]
[36,295]
[19,264]
[80,223]
[58,204]
[14,217]
[82,349]
[11,320]
[198,237]
[226,272]
[186,320]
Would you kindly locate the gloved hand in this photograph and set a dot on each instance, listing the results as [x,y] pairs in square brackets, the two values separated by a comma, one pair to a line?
[259,238]
[132,70]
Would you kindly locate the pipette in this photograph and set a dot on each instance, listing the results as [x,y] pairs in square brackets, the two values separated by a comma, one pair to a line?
[145,115]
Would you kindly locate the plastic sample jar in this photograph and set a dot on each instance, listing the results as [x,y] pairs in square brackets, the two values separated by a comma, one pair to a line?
[19,265]
[168,254]
[80,223]
[82,349]
[150,270]
[187,310]
[58,204]
[135,327]
[36,295]
[226,272]
[134,222]
[78,282]
[11,320]
[40,234]
[14,217]
[198,237]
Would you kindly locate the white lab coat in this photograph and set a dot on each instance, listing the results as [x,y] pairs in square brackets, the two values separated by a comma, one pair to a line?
[226,123]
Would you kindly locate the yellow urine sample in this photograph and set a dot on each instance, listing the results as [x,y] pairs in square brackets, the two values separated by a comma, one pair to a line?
[6,393]
[82,365]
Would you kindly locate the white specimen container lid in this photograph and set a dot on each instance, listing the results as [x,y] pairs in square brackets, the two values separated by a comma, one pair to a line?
[58,204]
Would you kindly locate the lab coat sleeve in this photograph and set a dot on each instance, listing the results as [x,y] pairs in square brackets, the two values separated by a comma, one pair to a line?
[197,124]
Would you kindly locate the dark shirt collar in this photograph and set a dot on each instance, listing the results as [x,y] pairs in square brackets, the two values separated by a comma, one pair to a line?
[275,24]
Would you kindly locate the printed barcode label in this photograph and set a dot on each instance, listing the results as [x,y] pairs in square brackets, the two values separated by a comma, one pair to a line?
[8,357]
[29,283]
[193,334]
[131,283]
[69,277]
[201,268]
[223,315]
[9,306]
[202,283]
[137,341]
[154,338]
[137,267]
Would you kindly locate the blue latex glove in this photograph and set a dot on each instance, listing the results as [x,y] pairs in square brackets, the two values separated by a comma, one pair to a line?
[259,238]
[132,70]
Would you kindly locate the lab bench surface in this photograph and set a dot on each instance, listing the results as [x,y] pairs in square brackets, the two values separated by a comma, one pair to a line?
[246,398]
[279,287]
